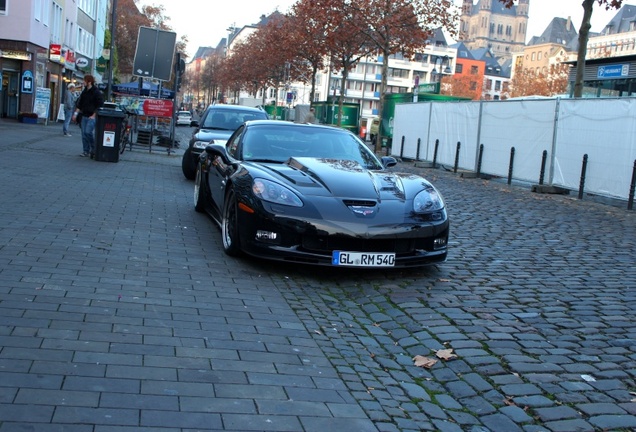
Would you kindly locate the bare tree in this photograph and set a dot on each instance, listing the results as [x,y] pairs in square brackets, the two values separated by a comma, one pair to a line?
[584,35]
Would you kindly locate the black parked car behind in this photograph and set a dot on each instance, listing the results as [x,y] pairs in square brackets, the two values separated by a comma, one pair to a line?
[216,125]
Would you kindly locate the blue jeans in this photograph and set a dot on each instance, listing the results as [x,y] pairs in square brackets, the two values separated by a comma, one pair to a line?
[68,113]
[88,134]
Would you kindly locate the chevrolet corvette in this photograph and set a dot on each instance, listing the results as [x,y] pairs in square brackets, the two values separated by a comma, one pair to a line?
[316,194]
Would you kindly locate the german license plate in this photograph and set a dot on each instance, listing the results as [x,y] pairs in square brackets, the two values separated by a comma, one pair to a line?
[363,259]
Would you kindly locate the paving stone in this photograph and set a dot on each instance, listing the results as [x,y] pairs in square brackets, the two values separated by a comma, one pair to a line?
[500,422]
[533,401]
[516,414]
[610,422]
[594,409]
[520,389]
[557,413]
[569,426]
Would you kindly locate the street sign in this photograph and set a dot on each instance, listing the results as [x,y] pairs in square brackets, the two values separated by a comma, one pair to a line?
[158,107]
[154,53]
[612,71]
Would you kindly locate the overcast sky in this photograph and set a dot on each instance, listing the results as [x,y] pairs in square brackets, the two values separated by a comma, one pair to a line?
[205,22]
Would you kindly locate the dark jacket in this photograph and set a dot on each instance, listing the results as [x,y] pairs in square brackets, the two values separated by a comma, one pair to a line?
[89,101]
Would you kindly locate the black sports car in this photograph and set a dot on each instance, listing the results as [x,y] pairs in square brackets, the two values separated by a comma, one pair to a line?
[317,195]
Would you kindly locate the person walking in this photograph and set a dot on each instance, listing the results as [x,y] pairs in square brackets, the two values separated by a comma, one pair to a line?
[311,116]
[69,107]
[90,100]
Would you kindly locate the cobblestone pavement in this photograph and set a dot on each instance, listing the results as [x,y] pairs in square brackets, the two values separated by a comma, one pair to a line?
[120,312]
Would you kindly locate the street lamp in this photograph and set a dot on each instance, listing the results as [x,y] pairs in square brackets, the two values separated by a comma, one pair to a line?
[443,60]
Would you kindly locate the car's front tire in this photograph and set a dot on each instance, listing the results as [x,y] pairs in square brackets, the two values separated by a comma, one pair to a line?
[199,191]
[229,226]
[187,165]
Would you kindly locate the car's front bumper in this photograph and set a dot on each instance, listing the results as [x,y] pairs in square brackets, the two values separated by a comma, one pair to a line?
[313,242]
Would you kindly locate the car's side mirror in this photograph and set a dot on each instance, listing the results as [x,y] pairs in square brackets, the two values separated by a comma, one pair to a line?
[388,161]
[194,123]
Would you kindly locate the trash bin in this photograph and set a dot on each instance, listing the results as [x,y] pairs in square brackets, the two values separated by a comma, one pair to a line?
[108,134]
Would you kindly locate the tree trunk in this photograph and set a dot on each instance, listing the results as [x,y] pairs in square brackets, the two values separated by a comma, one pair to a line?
[345,74]
[584,33]
[377,145]
[312,93]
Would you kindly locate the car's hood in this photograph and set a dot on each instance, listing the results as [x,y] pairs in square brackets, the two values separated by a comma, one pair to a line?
[210,134]
[346,179]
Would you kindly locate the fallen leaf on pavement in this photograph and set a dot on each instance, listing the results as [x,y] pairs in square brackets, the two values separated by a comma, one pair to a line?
[425,362]
[446,354]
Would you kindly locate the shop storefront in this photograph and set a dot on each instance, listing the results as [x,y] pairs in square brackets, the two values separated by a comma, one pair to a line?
[607,77]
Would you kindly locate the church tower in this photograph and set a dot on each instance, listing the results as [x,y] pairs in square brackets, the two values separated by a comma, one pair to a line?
[488,24]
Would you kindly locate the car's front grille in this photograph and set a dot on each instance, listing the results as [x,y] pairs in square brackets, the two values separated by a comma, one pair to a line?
[326,244]
[359,203]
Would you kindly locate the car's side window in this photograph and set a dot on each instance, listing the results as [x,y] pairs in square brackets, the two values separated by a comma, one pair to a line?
[233,143]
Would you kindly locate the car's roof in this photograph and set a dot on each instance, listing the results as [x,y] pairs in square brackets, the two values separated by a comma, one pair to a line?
[184,112]
[234,107]
[287,124]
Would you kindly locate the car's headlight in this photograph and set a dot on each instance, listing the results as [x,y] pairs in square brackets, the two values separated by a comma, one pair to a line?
[203,144]
[428,200]
[273,192]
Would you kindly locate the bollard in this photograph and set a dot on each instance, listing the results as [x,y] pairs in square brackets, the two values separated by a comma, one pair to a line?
[632,188]
[582,182]
[481,155]
[512,162]
[435,153]
[544,158]
[457,156]
[402,148]
[417,155]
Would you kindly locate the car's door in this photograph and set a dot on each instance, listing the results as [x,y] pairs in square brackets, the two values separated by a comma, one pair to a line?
[220,171]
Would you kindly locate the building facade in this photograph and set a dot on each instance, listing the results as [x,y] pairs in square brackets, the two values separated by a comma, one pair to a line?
[44,44]
[488,24]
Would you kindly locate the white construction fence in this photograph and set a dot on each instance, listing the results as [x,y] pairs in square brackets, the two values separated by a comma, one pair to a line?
[602,131]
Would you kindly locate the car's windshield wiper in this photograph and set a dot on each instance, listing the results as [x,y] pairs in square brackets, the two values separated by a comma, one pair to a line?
[215,128]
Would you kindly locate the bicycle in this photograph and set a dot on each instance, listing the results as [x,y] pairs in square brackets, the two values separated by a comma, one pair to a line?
[126,131]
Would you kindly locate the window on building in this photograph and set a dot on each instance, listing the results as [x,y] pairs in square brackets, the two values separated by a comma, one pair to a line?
[473,85]
[488,84]
[398,73]
[88,6]
[497,85]
[69,34]
[37,12]
[85,43]
[459,68]
[3,7]
[534,56]
[56,25]
[539,55]
[474,70]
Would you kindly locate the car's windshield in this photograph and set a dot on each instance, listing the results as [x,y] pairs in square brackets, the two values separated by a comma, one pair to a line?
[278,144]
[230,119]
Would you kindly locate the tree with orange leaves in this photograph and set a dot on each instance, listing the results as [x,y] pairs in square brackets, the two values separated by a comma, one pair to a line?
[402,26]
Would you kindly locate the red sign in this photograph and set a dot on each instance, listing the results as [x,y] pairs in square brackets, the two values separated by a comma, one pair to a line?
[55,51]
[158,108]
